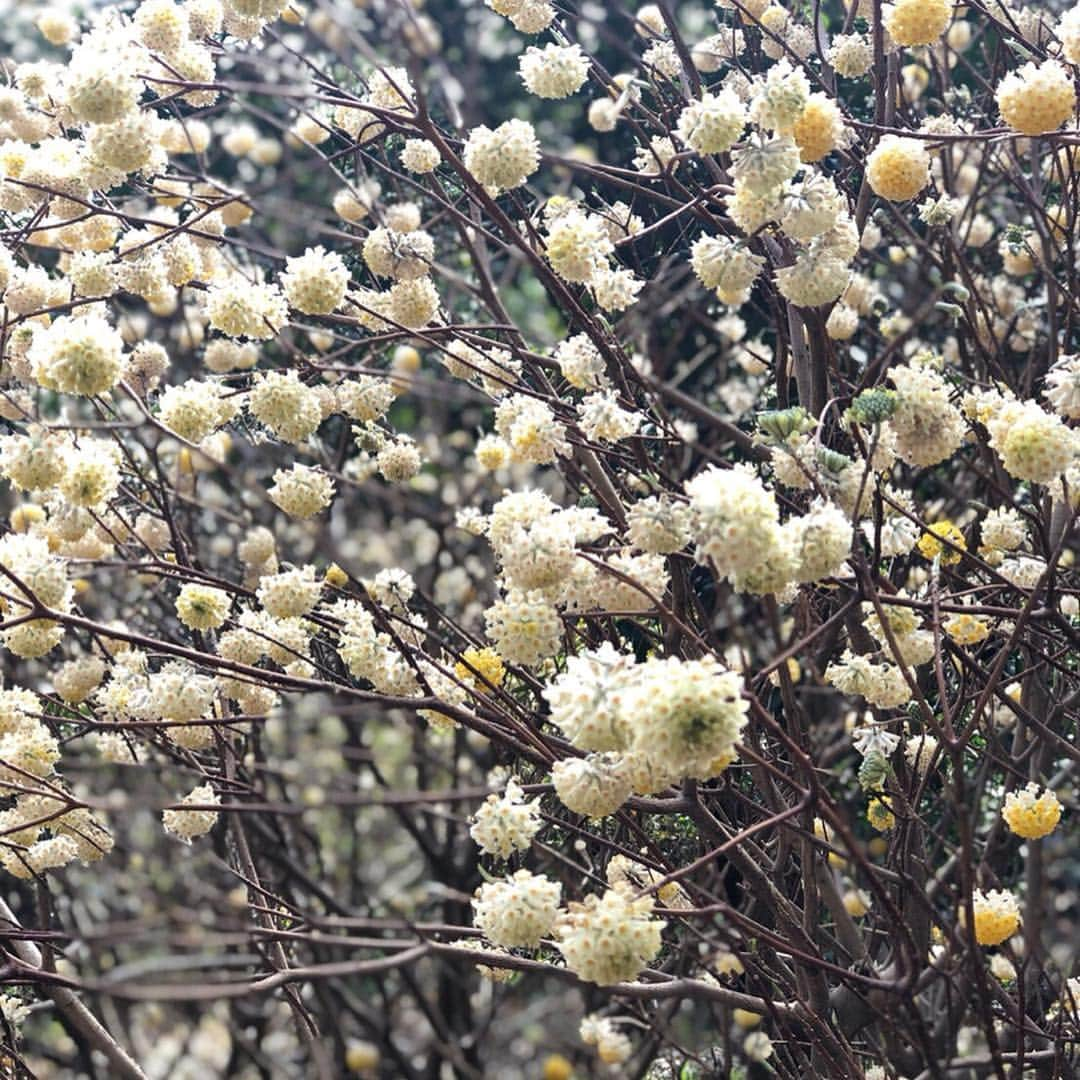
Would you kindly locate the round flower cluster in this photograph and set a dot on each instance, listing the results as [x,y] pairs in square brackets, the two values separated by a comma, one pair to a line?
[613,1047]
[34,461]
[1003,529]
[527,16]
[1068,32]
[882,684]
[714,124]
[687,715]
[365,398]
[504,158]
[289,593]
[77,355]
[29,558]
[241,308]
[726,265]
[966,629]
[927,426]
[819,129]
[594,786]
[288,407]
[1030,813]
[25,742]
[413,303]
[315,282]
[132,144]
[75,680]
[940,541]
[578,245]
[763,164]
[816,277]
[420,156]
[506,823]
[403,256]
[658,525]
[555,71]
[188,825]
[224,354]
[399,460]
[580,362]
[585,702]
[177,692]
[1063,386]
[92,473]
[780,98]
[608,939]
[879,813]
[918,22]
[851,55]
[822,541]
[811,207]
[530,428]
[997,916]
[1037,98]
[194,409]
[602,418]
[898,168]
[480,669]
[540,555]
[517,911]
[99,87]
[301,491]
[202,607]
[1033,444]
[524,626]
[734,519]
[41,856]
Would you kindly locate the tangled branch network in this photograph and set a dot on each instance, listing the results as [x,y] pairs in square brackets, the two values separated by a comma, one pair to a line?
[538,539]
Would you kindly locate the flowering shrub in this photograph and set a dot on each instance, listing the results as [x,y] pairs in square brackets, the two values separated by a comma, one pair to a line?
[517,511]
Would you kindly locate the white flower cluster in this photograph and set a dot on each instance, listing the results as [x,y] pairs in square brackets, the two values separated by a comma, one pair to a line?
[608,939]
[735,522]
[506,823]
[643,725]
[188,825]
[882,684]
[517,911]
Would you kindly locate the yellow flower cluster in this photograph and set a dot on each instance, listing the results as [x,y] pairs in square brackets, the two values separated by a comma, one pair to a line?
[967,629]
[997,916]
[1037,98]
[930,543]
[898,169]
[918,22]
[1031,814]
[481,669]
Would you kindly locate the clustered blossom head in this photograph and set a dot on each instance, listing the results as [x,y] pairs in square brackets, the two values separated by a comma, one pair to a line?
[507,823]
[608,939]
[188,825]
[555,71]
[613,1047]
[1037,97]
[997,916]
[301,491]
[202,607]
[918,22]
[315,282]
[518,911]
[504,158]
[1031,813]
[898,169]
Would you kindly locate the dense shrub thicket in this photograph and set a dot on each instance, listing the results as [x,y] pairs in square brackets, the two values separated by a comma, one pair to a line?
[538,539]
